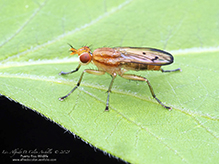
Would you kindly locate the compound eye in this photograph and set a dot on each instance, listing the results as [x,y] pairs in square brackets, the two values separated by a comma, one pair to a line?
[85,57]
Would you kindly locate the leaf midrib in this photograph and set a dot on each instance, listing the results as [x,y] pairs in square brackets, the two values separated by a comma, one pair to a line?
[62,81]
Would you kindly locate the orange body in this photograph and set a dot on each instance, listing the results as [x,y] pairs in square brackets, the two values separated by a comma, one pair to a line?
[122,59]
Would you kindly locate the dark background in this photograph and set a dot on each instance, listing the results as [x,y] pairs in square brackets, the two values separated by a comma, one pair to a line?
[23,129]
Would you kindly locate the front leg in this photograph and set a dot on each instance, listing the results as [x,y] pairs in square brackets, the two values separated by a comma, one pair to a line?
[64,73]
[139,78]
[91,71]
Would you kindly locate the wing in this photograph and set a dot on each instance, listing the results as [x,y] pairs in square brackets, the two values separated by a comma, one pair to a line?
[141,55]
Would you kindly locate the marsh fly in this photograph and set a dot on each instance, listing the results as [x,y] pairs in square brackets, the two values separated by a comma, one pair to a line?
[118,60]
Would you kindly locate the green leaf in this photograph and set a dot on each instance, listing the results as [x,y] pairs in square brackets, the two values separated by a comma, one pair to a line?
[34,37]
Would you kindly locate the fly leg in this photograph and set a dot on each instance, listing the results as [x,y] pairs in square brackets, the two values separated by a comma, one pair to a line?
[64,73]
[174,70]
[90,71]
[139,78]
[108,91]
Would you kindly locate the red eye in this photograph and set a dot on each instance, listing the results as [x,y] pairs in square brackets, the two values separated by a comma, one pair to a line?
[85,57]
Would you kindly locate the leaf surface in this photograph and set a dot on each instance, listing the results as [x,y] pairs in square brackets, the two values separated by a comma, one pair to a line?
[137,129]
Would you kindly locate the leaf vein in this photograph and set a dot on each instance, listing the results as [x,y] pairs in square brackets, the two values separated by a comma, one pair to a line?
[24,25]
[32,49]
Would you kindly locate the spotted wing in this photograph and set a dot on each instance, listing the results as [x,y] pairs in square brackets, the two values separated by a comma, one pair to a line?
[142,55]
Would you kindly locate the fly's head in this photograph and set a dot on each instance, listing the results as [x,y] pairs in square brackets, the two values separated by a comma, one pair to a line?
[84,54]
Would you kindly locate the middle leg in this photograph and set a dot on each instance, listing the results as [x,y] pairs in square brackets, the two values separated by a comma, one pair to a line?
[108,91]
